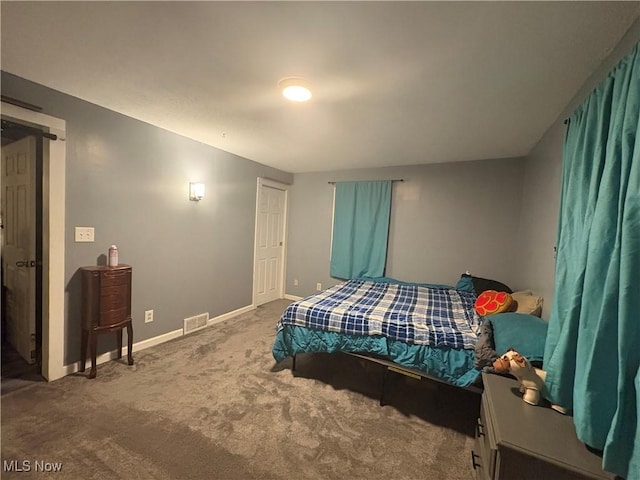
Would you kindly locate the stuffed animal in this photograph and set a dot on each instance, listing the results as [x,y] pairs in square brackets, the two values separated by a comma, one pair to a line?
[531,384]
[531,379]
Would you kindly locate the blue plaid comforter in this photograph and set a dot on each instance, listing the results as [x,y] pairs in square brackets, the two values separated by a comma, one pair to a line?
[409,313]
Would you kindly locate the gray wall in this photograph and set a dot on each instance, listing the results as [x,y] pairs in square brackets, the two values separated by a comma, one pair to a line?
[541,187]
[534,266]
[129,180]
[445,219]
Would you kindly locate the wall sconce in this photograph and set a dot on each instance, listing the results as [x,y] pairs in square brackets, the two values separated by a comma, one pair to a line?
[196,191]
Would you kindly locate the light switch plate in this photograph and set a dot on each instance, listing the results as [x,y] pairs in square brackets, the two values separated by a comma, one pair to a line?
[85,234]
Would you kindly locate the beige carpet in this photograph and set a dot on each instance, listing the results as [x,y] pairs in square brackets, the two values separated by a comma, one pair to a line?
[214,405]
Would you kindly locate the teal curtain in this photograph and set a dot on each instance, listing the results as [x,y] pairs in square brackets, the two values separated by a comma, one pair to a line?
[360,229]
[592,353]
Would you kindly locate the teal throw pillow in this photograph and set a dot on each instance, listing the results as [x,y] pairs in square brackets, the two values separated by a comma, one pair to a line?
[524,333]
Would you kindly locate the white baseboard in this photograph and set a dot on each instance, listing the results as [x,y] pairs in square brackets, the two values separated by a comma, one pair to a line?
[150,342]
[227,316]
[292,297]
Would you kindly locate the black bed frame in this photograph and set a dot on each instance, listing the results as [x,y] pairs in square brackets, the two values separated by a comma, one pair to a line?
[402,370]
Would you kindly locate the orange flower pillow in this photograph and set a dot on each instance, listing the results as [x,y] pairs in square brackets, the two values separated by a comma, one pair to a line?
[490,302]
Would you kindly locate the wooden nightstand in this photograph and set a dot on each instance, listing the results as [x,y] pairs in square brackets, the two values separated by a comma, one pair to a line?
[106,307]
[515,440]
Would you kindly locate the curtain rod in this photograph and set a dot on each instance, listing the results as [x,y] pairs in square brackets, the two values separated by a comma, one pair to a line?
[394,180]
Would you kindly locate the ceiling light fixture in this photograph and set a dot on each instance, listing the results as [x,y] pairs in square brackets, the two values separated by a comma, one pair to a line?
[295,89]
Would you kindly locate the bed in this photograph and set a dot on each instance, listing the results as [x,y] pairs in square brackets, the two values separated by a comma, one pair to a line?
[425,328]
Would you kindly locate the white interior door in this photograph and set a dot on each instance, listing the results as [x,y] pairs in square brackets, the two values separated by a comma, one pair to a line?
[19,242]
[269,255]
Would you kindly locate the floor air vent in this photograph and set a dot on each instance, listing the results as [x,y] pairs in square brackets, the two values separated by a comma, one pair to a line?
[195,323]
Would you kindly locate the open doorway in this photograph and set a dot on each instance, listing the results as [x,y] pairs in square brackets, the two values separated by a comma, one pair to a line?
[21,205]
[53,131]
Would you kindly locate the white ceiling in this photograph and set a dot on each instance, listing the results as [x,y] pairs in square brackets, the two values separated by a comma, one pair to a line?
[394,83]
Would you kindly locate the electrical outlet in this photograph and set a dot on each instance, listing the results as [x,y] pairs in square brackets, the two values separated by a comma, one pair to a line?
[295,282]
[148,316]
[85,234]
[318,286]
